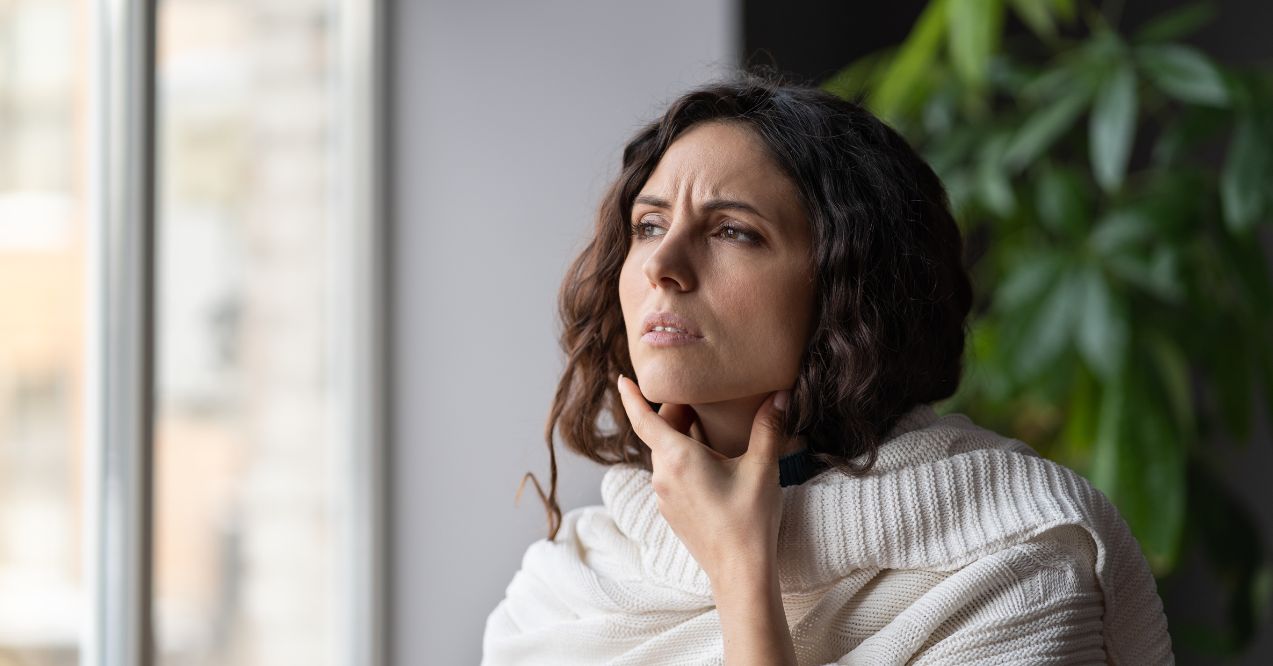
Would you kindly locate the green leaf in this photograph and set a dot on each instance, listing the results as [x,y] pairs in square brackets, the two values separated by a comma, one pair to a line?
[1139,463]
[1164,273]
[1120,229]
[1172,368]
[959,190]
[1103,325]
[1008,75]
[1175,23]
[1158,275]
[1064,9]
[974,29]
[1036,15]
[1062,202]
[992,185]
[1043,128]
[949,151]
[1242,183]
[1113,127]
[1076,71]
[987,369]
[1053,81]
[1051,326]
[940,111]
[1106,450]
[994,191]
[1079,429]
[1026,282]
[901,84]
[1184,73]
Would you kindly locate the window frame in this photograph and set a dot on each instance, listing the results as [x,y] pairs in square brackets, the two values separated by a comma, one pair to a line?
[360,260]
[120,341]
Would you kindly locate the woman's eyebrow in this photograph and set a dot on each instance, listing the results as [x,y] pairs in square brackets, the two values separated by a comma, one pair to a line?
[710,204]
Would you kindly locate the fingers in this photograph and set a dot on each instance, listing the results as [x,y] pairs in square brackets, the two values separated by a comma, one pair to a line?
[767,438]
[645,422]
[766,444]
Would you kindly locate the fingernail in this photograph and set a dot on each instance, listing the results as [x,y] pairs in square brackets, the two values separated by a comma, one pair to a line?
[780,400]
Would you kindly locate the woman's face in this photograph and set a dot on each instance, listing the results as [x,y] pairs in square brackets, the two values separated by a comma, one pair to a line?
[724,243]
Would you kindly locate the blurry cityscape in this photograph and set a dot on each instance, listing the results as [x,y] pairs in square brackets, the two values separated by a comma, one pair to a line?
[245,559]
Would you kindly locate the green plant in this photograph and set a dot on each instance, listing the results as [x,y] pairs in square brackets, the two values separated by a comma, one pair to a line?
[1113,190]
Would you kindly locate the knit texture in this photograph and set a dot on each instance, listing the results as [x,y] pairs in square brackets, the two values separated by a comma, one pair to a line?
[960,546]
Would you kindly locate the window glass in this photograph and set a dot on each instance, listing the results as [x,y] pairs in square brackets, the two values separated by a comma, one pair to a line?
[244,525]
[43,167]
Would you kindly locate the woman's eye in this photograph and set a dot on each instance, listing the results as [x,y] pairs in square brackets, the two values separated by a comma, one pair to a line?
[728,231]
[638,227]
[750,237]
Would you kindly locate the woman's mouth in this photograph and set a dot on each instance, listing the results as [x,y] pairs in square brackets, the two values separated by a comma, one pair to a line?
[667,336]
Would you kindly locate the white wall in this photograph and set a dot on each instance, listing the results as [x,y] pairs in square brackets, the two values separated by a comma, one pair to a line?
[508,119]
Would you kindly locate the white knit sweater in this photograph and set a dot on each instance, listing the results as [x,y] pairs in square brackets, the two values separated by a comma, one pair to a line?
[961,546]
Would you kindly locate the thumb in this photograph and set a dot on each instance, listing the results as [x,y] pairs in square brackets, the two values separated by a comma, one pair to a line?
[767,438]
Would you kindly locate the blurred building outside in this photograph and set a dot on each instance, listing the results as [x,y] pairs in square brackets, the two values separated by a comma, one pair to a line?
[244,485]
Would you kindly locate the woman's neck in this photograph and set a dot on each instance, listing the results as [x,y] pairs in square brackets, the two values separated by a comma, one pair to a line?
[726,426]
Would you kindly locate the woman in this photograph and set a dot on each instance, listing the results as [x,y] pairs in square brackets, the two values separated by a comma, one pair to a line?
[778,278]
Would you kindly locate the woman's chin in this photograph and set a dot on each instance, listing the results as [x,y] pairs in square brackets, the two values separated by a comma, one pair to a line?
[662,391]
[674,397]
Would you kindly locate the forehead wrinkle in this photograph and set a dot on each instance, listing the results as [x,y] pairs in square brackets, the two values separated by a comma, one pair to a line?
[702,167]
[692,185]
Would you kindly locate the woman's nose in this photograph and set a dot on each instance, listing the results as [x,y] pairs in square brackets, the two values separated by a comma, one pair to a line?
[671,263]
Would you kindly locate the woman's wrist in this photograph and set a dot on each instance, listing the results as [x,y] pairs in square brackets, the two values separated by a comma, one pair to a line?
[755,570]
[753,620]
[751,589]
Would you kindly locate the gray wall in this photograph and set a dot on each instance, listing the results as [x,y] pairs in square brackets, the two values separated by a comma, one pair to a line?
[507,119]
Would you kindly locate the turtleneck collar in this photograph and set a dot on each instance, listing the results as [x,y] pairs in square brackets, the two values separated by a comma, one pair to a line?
[796,468]
[829,513]
[800,466]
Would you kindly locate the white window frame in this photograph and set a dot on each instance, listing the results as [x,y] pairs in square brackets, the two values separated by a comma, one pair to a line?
[120,353]
[360,259]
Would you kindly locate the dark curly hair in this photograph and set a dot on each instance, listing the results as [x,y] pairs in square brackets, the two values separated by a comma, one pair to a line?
[893,293]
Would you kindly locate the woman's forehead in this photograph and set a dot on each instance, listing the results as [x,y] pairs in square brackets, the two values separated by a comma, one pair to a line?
[714,162]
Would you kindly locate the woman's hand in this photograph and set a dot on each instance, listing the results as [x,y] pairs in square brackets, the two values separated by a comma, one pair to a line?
[725,510]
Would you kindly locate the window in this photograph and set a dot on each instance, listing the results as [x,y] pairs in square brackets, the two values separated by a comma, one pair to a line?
[191,371]
[42,301]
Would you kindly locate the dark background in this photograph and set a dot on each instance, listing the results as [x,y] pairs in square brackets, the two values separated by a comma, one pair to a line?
[811,40]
